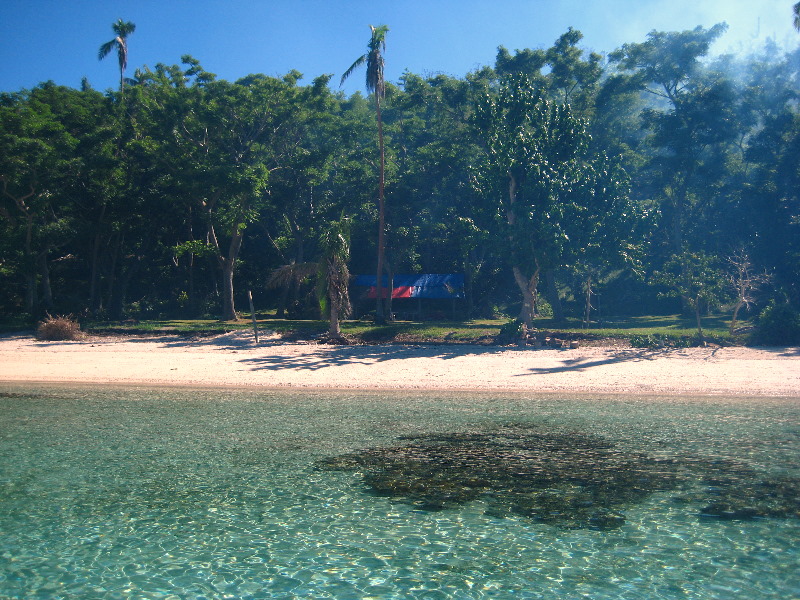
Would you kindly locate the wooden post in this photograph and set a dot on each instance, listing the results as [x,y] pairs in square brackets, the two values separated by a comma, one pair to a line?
[253,314]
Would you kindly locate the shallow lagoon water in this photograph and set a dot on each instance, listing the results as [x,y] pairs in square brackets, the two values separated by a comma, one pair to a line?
[179,493]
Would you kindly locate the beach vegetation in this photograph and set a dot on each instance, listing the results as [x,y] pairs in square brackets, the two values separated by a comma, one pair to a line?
[512,331]
[330,274]
[558,195]
[559,185]
[59,328]
[745,283]
[777,325]
[642,331]
[696,279]
[662,340]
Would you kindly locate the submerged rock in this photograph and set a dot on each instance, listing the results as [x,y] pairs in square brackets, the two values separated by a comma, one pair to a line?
[779,497]
[563,478]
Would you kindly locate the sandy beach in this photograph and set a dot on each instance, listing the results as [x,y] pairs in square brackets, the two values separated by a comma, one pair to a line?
[235,360]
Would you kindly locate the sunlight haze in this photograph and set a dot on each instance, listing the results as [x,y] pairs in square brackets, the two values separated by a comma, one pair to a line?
[44,40]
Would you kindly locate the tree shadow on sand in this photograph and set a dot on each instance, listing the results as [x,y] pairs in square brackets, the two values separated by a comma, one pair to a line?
[323,356]
[584,363]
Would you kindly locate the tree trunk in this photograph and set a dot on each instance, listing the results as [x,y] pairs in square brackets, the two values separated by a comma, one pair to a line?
[291,290]
[552,295]
[734,318]
[528,289]
[699,321]
[468,276]
[193,304]
[283,300]
[117,301]
[390,288]
[44,274]
[334,330]
[31,297]
[588,307]
[113,271]
[526,286]
[228,308]
[94,297]
[294,292]
[228,266]
[379,314]
[31,291]
[678,206]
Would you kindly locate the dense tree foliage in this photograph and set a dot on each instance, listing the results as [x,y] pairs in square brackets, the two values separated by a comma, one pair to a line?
[548,178]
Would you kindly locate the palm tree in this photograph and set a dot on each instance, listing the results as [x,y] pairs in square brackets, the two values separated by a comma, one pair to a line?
[123,29]
[376,85]
[796,10]
[331,274]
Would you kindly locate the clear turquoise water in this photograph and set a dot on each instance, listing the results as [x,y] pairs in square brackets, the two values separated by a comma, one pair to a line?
[152,493]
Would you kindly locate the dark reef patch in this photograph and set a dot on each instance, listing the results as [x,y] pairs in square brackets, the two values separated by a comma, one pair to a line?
[563,478]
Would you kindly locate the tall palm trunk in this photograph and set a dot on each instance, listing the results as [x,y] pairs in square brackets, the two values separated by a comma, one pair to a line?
[379,313]
[334,328]
[375,83]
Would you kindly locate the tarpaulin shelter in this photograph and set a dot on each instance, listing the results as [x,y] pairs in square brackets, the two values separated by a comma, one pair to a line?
[427,286]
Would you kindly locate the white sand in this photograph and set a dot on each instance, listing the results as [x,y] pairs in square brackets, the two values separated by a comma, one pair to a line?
[234,360]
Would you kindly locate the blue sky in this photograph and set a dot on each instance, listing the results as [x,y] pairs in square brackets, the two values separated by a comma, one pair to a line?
[58,39]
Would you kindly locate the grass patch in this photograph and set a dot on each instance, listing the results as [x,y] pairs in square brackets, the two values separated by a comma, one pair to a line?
[177,326]
[187,327]
[661,329]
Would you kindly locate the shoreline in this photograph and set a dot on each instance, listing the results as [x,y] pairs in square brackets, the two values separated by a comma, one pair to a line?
[424,393]
[234,361]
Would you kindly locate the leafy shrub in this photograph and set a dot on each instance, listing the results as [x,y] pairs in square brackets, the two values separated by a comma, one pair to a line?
[511,331]
[544,308]
[59,328]
[778,325]
[661,340]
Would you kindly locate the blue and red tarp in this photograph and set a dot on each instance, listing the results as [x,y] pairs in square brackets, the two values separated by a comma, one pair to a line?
[416,286]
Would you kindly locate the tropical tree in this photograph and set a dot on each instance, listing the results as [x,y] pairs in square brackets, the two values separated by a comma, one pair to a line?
[572,79]
[122,29]
[375,84]
[330,272]
[38,169]
[697,279]
[745,282]
[442,224]
[796,13]
[545,181]
[691,125]
[333,276]
[307,192]
[239,127]
[772,204]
